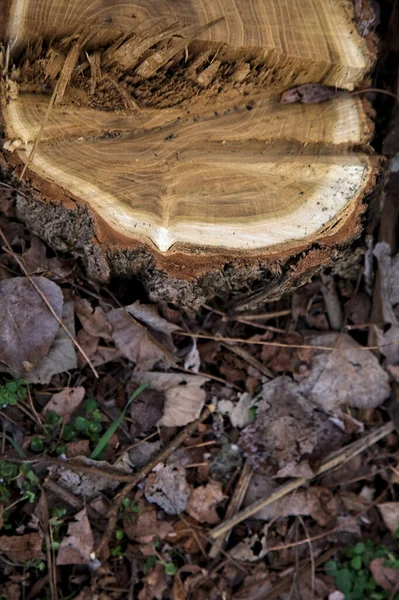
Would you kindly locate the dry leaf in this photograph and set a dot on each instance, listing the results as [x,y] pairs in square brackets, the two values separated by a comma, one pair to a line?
[167,487]
[203,503]
[22,547]
[141,454]
[77,546]
[62,355]
[390,513]
[146,528]
[318,502]
[386,577]
[238,413]
[65,402]
[94,321]
[348,375]
[146,410]
[192,360]
[184,396]
[148,314]
[27,326]
[251,548]
[155,584]
[284,431]
[135,342]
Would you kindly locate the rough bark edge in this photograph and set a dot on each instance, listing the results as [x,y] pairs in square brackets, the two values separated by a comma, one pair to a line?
[72,228]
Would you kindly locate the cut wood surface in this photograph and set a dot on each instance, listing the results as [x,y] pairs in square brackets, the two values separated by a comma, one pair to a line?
[164,119]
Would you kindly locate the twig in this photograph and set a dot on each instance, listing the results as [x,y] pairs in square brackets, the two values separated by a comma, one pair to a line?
[234,506]
[162,457]
[278,344]
[254,362]
[334,460]
[47,303]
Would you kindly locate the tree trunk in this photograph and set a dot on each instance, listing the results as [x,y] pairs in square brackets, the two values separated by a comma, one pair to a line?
[151,140]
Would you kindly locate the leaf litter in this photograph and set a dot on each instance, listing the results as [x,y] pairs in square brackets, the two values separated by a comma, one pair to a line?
[277,423]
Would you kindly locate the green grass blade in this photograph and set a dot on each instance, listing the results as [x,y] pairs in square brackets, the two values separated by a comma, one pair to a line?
[16,446]
[104,439]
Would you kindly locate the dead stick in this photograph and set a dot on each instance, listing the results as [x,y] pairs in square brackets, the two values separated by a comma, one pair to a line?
[236,501]
[162,457]
[47,303]
[333,461]
[278,344]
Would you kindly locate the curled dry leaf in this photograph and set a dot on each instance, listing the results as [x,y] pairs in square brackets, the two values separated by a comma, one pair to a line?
[185,397]
[167,487]
[204,501]
[389,295]
[348,375]
[27,326]
[135,342]
[22,547]
[390,513]
[62,355]
[65,402]
[77,546]
[238,413]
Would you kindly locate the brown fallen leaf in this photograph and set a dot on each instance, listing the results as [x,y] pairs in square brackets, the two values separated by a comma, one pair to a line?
[386,577]
[185,397]
[346,376]
[62,355]
[77,546]
[146,528]
[390,513]
[203,503]
[135,342]
[65,403]
[27,326]
[146,410]
[36,260]
[155,584]
[148,314]
[167,487]
[22,547]
[93,320]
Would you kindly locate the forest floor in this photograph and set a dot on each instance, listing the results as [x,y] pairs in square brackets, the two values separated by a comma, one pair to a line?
[149,453]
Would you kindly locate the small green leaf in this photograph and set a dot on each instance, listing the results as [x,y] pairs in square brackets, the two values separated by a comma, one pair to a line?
[90,405]
[81,424]
[119,534]
[104,440]
[356,562]
[359,548]
[36,444]
[170,569]
[343,580]
[331,567]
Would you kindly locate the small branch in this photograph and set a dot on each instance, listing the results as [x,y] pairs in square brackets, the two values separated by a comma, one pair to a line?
[235,503]
[333,461]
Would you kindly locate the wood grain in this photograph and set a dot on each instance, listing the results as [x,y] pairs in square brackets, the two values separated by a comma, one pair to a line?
[170,127]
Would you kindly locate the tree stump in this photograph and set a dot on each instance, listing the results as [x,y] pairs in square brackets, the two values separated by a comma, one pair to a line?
[150,139]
